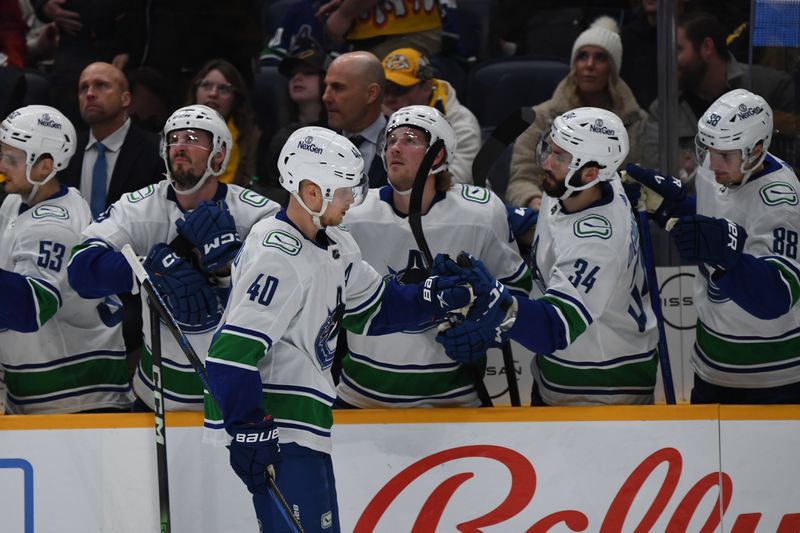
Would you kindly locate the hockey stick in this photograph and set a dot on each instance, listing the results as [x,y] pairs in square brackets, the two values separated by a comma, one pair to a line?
[161,436]
[164,315]
[415,221]
[502,136]
[655,302]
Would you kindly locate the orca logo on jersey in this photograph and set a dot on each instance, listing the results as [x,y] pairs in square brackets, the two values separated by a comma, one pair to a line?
[308,144]
[325,343]
[778,193]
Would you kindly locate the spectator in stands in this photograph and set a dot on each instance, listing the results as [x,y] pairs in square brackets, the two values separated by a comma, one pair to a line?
[593,81]
[305,69]
[639,40]
[151,101]
[87,32]
[354,86]
[380,27]
[220,86]
[706,71]
[410,81]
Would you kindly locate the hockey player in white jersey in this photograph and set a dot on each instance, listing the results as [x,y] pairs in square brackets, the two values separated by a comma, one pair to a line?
[190,226]
[60,353]
[593,331]
[742,229]
[298,279]
[409,369]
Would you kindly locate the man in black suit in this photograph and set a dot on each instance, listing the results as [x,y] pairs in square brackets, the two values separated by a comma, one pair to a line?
[114,156]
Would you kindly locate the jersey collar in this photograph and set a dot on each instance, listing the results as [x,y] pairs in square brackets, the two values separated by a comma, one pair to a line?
[607,197]
[770,165]
[321,240]
[222,191]
[385,194]
[62,191]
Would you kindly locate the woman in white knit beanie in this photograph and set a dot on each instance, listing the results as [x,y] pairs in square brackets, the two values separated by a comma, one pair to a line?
[593,81]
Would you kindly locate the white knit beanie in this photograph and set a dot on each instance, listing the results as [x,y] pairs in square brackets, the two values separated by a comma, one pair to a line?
[604,32]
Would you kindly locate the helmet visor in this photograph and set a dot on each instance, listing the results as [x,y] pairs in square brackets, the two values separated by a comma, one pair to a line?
[547,149]
[351,196]
[189,137]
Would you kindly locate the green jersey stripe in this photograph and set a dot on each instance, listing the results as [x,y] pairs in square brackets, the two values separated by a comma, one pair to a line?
[244,351]
[575,322]
[739,352]
[87,373]
[285,406]
[639,373]
[406,384]
[179,382]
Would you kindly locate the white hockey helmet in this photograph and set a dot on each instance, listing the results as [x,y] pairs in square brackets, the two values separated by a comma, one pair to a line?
[204,118]
[738,120]
[325,158]
[429,120]
[589,135]
[40,130]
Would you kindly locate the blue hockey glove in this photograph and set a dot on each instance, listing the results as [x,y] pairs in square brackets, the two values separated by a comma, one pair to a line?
[672,190]
[468,341]
[716,241]
[521,219]
[492,299]
[633,191]
[253,449]
[185,290]
[441,295]
[211,229]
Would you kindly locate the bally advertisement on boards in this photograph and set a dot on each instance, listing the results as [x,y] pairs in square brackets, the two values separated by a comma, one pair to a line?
[678,468]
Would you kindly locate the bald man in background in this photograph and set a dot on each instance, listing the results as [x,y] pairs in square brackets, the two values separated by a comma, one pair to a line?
[114,156]
[354,86]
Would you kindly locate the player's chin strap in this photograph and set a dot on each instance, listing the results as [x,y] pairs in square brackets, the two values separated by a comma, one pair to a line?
[36,184]
[207,174]
[315,216]
[442,167]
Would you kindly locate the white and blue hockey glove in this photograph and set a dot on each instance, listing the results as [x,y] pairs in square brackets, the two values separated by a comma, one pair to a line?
[253,449]
[716,241]
[212,230]
[185,290]
[672,190]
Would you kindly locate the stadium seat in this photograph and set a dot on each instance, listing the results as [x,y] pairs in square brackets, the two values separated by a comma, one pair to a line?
[500,171]
[475,25]
[499,87]
[449,70]
[271,100]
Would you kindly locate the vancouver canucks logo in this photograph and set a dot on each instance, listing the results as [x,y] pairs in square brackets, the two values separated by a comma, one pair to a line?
[308,144]
[592,226]
[47,121]
[778,193]
[325,343]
